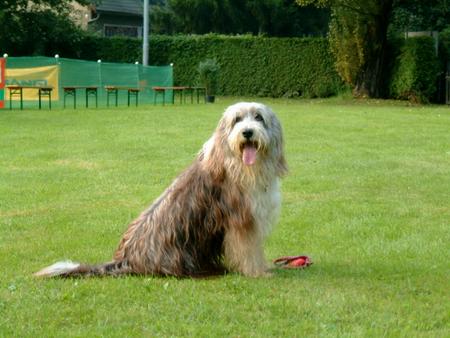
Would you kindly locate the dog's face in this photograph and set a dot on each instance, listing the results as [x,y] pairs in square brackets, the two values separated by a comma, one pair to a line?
[253,133]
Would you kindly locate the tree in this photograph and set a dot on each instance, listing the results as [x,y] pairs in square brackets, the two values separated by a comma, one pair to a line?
[359,35]
[264,17]
[19,5]
[358,39]
[41,27]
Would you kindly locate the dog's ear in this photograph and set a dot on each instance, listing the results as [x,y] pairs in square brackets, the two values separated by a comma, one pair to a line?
[216,161]
[212,155]
[278,147]
[282,168]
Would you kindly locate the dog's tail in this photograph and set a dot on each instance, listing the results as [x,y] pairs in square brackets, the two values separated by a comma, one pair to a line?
[71,269]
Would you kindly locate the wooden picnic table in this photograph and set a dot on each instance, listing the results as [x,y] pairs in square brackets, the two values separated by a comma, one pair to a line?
[114,91]
[71,91]
[17,90]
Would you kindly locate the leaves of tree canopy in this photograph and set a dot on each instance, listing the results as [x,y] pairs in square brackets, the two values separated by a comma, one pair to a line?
[358,34]
[263,17]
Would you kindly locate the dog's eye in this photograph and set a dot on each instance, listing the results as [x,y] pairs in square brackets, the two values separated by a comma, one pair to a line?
[258,117]
[237,119]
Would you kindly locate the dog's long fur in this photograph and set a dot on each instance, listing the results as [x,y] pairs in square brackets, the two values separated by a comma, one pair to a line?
[215,216]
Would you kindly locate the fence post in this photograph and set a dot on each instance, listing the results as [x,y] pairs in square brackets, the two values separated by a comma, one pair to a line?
[2,82]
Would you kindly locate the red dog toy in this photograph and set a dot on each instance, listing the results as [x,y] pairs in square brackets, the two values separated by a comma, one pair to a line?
[293,262]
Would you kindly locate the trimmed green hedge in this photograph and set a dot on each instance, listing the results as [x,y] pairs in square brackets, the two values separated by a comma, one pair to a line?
[249,65]
[415,70]
[277,67]
[116,49]
[252,65]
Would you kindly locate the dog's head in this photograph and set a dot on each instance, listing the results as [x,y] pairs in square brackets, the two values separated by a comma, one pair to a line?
[252,134]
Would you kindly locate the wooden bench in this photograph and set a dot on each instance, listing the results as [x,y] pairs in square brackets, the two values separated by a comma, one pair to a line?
[162,90]
[114,91]
[71,91]
[198,90]
[43,91]
[181,90]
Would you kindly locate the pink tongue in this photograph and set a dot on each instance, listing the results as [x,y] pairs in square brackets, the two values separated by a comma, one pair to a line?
[249,154]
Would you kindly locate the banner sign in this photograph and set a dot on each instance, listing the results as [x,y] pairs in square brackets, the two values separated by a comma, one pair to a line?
[2,82]
[37,76]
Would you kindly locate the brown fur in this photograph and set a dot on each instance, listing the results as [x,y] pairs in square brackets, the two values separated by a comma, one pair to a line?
[182,233]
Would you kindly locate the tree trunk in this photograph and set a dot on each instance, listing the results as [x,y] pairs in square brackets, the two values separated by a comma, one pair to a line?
[369,81]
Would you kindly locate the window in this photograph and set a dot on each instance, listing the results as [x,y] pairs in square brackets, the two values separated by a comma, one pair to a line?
[129,31]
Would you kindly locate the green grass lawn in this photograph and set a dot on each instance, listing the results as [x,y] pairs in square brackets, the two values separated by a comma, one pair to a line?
[367,197]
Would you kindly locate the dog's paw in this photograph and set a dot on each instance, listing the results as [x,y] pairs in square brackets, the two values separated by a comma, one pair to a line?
[267,274]
[258,273]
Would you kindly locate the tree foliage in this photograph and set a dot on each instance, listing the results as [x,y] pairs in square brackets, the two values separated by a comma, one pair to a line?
[419,15]
[359,35]
[263,17]
[17,6]
[358,39]
[38,28]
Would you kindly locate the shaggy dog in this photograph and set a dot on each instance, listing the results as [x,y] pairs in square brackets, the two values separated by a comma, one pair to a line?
[215,216]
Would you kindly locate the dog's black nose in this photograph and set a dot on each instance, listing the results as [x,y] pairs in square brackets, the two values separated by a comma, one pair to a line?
[248,133]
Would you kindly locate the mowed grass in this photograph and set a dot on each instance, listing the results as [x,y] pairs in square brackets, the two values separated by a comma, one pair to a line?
[367,197]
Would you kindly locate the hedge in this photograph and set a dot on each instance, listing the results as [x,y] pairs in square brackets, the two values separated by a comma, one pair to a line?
[249,65]
[115,49]
[277,67]
[415,70]
[262,66]
[253,65]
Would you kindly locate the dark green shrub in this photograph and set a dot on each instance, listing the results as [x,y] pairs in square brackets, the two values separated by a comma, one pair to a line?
[208,72]
[415,70]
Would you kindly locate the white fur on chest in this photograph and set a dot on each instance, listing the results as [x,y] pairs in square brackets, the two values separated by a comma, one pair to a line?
[266,204]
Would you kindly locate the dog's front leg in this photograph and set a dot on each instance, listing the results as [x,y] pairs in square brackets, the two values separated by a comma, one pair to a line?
[244,252]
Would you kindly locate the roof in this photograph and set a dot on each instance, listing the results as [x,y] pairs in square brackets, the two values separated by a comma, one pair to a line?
[130,7]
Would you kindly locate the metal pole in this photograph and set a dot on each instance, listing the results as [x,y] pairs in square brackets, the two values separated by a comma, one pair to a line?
[145,37]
